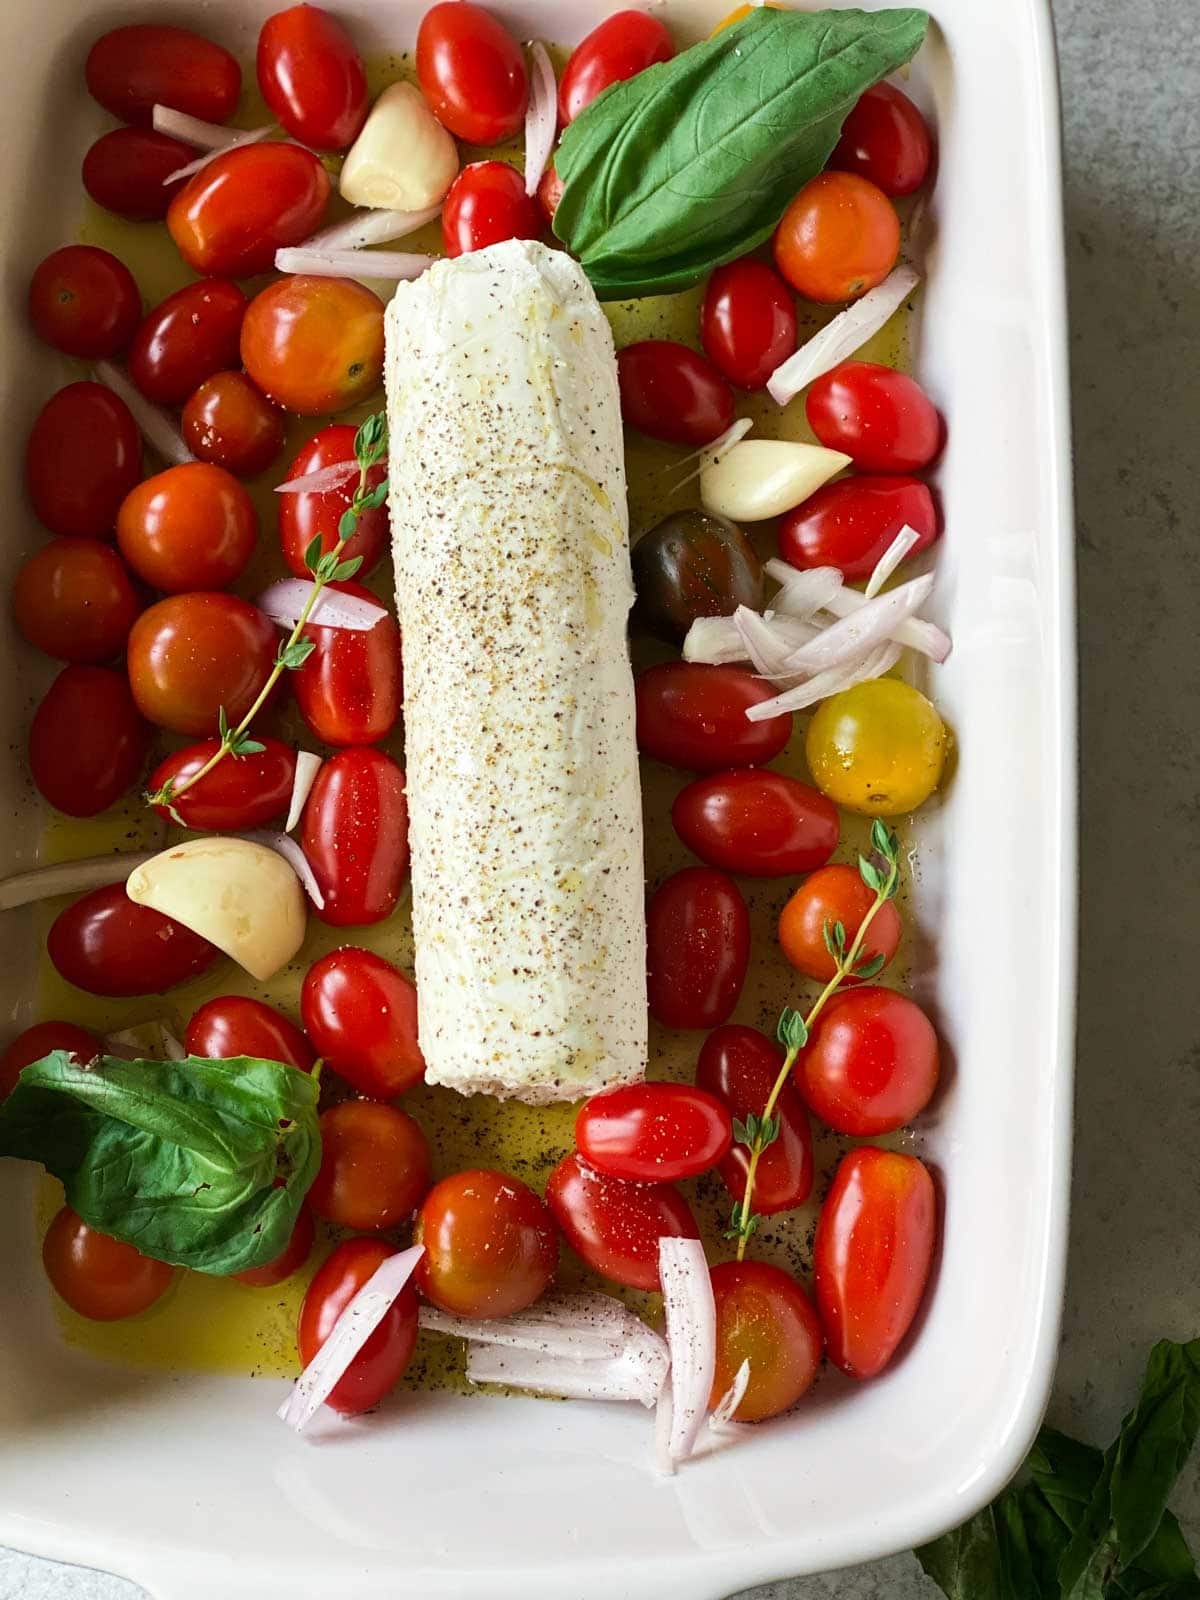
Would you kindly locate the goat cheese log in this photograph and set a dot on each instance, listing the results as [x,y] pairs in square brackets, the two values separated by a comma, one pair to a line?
[513,586]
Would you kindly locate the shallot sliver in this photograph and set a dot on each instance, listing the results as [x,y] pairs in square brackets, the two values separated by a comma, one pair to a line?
[824,684]
[307,767]
[194,130]
[563,1339]
[156,427]
[246,136]
[708,455]
[284,845]
[392,266]
[890,560]
[69,877]
[637,1374]
[368,226]
[859,633]
[925,637]
[541,116]
[722,1412]
[806,590]
[691,1337]
[284,603]
[840,338]
[768,653]
[321,481]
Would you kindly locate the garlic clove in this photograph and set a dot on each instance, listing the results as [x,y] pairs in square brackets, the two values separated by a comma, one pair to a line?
[761,478]
[403,160]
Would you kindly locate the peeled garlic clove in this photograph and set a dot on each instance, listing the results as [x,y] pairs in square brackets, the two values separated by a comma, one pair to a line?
[762,478]
[403,160]
[241,897]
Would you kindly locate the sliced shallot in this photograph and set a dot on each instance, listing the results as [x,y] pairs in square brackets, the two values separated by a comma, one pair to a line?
[807,590]
[710,454]
[194,130]
[765,649]
[541,116]
[890,560]
[284,845]
[691,1337]
[284,603]
[156,426]
[245,136]
[856,635]
[637,1374]
[390,265]
[368,226]
[714,641]
[834,681]
[146,1040]
[321,481]
[925,637]
[840,338]
[307,767]
[568,1325]
[722,1412]
[69,877]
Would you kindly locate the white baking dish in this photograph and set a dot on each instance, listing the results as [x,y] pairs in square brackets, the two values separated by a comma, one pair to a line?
[189,1484]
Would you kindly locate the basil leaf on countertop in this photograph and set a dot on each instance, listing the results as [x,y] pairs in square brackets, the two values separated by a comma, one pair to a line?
[200,1163]
[693,161]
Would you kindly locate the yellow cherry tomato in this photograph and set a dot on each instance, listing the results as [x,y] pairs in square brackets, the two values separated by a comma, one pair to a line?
[739,12]
[878,748]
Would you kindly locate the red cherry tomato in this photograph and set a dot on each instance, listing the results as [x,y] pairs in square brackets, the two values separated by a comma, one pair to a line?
[192,655]
[759,823]
[234,1025]
[614,1226]
[871,1062]
[764,1317]
[671,393]
[349,689]
[549,193]
[624,44]
[312,77]
[747,322]
[741,1065]
[84,302]
[873,1252]
[379,1365]
[314,345]
[186,338]
[839,237]
[230,218]
[132,69]
[75,600]
[697,948]
[108,945]
[886,139]
[486,204]
[361,1014]
[850,524]
[126,172]
[374,1166]
[99,1277]
[289,1260]
[39,1041]
[229,422]
[355,835]
[235,795]
[653,1132]
[83,457]
[309,515]
[490,1245]
[472,72]
[87,742]
[881,418]
[694,717]
[190,527]
[832,895]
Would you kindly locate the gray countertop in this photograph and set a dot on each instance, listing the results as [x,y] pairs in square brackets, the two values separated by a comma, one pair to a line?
[1130,71]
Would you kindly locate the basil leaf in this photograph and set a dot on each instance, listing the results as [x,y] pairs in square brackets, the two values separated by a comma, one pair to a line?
[965,1563]
[693,161]
[200,1163]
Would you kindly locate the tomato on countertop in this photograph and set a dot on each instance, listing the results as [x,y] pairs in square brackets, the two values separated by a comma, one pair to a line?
[764,1317]
[230,218]
[759,823]
[126,172]
[311,514]
[871,1062]
[108,945]
[831,895]
[235,795]
[186,338]
[39,1041]
[361,1014]
[614,1226]
[882,419]
[350,688]
[653,1132]
[312,77]
[620,47]
[491,1246]
[380,1364]
[99,1277]
[697,948]
[849,524]
[741,1065]
[487,204]
[84,302]
[74,599]
[87,742]
[374,1169]
[131,70]
[236,1025]
[355,835]
[694,716]
[747,322]
[671,393]
[886,139]
[90,430]
[472,72]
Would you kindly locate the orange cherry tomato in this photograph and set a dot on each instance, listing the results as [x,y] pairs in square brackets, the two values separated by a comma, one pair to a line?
[739,12]
[764,1317]
[74,599]
[193,655]
[828,896]
[231,217]
[312,77]
[839,237]
[126,172]
[229,422]
[99,1277]
[84,302]
[380,1363]
[314,345]
[235,1025]
[549,193]
[87,742]
[472,72]
[186,338]
[491,1246]
[39,1041]
[190,527]
[350,688]
[374,1166]
[83,457]
[289,1260]
[130,70]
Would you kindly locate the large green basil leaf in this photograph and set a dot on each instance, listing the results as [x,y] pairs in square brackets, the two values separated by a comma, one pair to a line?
[200,1163]
[693,161]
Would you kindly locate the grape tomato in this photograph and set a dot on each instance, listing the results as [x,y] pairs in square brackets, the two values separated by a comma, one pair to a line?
[882,419]
[487,204]
[491,1246]
[41,1040]
[472,72]
[747,322]
[349,689]
[108,945]
[100,1278]
[741,1066]
[614,1226]
[620,47]
[126,172]
[130,70]
[87,742]
[871,1062]
[697,948]
[829,896]
[289,1260]
[310,515]
[694,717]
[671,393]
[230,217]
[236,1025]
[374,1169]
[235,795]
[849,524]
[886,139]
[379,1365]
[74,599]
[190,527]
[231,423]
[83,457]
[355,835]
[312,77]
[84,302]
[762,824]
[192,656]
[765,1318]
[549,193]
[361,1014]
[186,338]
[653,1132]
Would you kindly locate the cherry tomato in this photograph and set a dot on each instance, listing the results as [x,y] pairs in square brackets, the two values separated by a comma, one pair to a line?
[486,204]
[881,418]
[374,1166]
[764,1317]
[653,1132]
[747,322]
[312,77]
[361,1014]
[472,72]
[759,823]
[234,1025]
[86,742]
[108,945]
[886,139]
[83,457]
[871,1062]
[308,515]
[878,748]
[694,717]
[671,393]
[241,793]
[231,217]
[186,338]
[130,70]
[697,948]
[739,12]
[614,1226]
[355,835]
[349,689]
[490,1245]
[873,1252]
[228,422]
[75,600]
[84,301]
[190,527]
[741,1066]
[850,524]
[379,1365]
[192,655]
[99,1277]
[126,172]
[314,345]
[690,565]
[623,45]
[839,237]
[289,1260]
[832,895]
[549,193]
[39,1041]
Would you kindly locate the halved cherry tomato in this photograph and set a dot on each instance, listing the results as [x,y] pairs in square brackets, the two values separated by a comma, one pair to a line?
[691,565]
[832,895]
[623,45]
[289,1260]
[886,139]
[312,77]
[246,792]
[490,1244]
[108,945]
[873,1252]
[235,1025]
[192,655]
[549,193]
[871,1062]
[697,948]
[472,72]
[881,418]
[349,690]
[653,1132]
[694,716]
[747,322]
[839,237]
[614,1226]
[355,835]
[763,824]
[186,338]
[380,1364]
[361,1014]
[306,516]
[83,457]
[39,1041]
[229,422]
[314,345]
[741,1065]
[850,524]
[374,1166]
[671,393]
[75,600]
[190,527]
[87,742]
[84,301]
[764,1317]
[231,217]
[130,70]
[486,204]
[126,172]
[99,1277]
